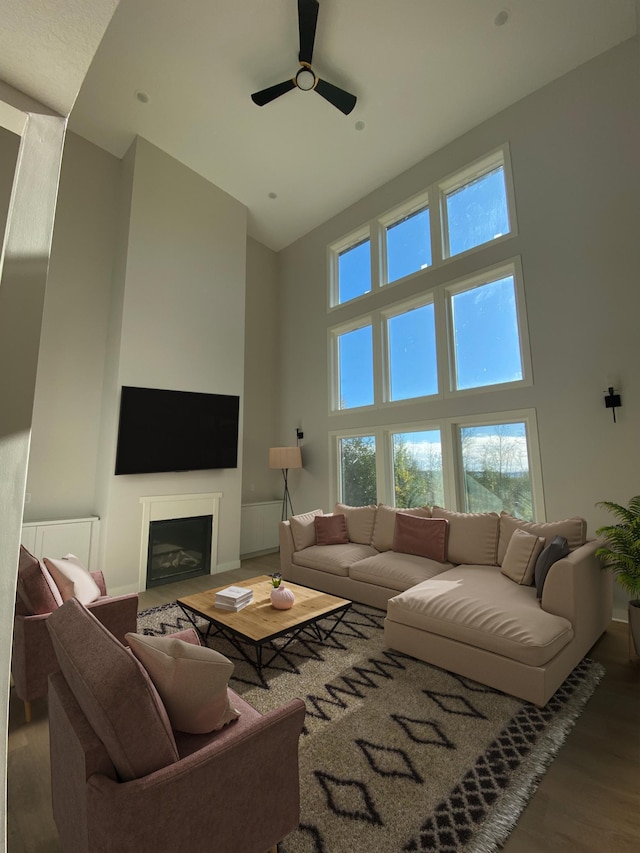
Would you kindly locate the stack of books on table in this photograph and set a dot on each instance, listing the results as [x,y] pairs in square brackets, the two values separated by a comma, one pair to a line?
[233,598]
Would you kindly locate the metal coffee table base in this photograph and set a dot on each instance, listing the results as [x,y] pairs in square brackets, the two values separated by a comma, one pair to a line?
[239,641]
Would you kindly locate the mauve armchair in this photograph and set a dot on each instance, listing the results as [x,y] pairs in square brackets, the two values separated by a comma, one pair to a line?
[33,657]
[124,782]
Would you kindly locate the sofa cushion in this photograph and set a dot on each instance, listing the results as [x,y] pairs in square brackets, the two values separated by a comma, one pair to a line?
[483,608]
[473,536]
[385,524]
[573,529]
[331,529]
[35,587]
[191,680]
[303,529]
[555,550]
[114,692]
[73,579]
[521,555]
[360,521]
[424,537]
[394,570]
[334,559]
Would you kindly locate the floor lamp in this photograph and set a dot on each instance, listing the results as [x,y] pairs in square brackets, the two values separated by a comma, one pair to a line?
[285,458]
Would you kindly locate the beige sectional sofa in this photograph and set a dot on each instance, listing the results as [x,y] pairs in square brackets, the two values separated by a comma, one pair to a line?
[459,588]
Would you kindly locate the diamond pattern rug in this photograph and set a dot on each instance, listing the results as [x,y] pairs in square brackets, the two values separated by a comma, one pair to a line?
[396,754]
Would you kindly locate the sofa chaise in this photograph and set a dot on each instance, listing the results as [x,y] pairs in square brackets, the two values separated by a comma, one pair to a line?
[512,604]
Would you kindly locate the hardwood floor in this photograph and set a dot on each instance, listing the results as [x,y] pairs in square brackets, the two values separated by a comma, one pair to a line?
[587,802]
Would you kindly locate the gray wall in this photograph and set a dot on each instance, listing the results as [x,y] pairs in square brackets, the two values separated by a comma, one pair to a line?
[261,376]
[575,152]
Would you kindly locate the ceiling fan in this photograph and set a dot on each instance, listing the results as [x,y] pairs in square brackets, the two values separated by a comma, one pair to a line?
[306,79]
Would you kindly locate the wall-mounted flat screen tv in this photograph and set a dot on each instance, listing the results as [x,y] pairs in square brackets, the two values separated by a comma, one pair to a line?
[176,431]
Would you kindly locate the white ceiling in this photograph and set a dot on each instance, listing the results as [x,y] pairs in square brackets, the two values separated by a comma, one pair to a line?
[424,72]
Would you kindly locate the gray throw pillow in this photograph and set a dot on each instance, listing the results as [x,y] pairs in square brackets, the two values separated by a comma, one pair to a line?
[555,550]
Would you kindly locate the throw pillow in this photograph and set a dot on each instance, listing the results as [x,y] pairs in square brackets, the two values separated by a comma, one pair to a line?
[191,680]
[331,529]
[36,588]
[473,536]
[303,529]
[520,558]
[424,537]
[360,521]
[555,550]
[72,579]
[573,529]
[384,528]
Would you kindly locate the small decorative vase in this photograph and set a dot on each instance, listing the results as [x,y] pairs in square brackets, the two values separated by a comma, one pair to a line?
[282,598]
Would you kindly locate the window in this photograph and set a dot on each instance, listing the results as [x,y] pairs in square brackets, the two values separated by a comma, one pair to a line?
[408,244]
[485,334]
[475,207]
[486,463]
[357,463]
[354,271]
[355,367]
[411,344]
[496,473]
[417,468]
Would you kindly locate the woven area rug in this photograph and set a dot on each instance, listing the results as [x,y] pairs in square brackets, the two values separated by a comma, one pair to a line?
[398,755]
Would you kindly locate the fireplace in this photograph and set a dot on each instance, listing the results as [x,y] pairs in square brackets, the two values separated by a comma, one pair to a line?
[179,548]
[175,541]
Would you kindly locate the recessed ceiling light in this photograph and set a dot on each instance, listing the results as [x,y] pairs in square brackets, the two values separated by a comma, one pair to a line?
[359,125]
[273,195]
[142,97]
[501,18]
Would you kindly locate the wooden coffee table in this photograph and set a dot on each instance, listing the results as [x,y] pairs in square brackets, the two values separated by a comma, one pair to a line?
[258,624]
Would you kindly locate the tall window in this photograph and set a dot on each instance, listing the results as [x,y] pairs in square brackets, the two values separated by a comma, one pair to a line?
[495,469]
[486,339]
[357,462]
[408,244]
[417,468]
[355,367]
[412,363]
[474,206]
[354,271]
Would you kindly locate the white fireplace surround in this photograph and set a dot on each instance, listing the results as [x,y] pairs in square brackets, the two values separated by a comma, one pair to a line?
[170,507]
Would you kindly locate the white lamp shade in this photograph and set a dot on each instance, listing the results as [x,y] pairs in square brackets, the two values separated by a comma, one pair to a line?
[285,457]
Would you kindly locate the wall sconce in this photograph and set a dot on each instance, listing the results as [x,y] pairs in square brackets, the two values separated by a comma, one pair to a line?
[612,401]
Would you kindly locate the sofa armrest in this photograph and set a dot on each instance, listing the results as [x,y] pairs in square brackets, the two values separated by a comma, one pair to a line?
[243,793]
[286,550]
[580,590]
[118,614]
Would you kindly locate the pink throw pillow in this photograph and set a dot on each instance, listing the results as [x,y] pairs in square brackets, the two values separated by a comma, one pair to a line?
[36,588]
[331,529]
[424,537]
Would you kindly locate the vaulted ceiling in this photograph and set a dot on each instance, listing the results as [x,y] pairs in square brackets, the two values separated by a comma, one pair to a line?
[181,74]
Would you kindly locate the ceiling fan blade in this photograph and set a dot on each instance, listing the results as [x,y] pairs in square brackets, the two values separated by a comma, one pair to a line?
[307,20]
[265,96]
[338,97]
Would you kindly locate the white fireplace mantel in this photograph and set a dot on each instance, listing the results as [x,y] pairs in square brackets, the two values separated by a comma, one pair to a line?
[169,507]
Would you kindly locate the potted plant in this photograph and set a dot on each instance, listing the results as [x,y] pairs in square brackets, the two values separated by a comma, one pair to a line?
[621,555]
[281,597]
